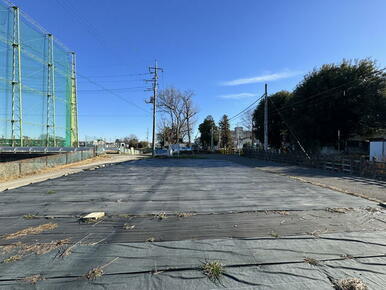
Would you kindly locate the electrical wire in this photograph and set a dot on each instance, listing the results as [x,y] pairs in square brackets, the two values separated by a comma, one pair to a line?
[113,93]
[291,131]
[247,108]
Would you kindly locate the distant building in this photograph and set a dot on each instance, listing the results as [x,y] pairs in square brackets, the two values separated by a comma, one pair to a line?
[241,137]
[378,150]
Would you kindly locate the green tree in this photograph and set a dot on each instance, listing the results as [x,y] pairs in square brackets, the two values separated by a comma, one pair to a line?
[349,97]
[277,128]
[206,132]
[225,133]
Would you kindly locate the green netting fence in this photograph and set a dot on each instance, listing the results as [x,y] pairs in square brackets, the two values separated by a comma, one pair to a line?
[36,84]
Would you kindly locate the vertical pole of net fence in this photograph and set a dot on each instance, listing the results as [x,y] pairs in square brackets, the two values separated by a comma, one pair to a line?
[50,132]
[53,92]
[74,104]
[17,101]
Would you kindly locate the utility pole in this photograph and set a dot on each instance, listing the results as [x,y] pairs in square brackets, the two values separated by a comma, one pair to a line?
[211,139]
[153,100]
[266,120]
[252,136]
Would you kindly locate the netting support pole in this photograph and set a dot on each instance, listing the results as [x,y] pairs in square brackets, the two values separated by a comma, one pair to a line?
[17,101]
[51,118]
[74,104]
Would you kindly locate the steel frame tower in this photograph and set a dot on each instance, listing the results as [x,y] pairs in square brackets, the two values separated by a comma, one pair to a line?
[51,118]
[17,101]
[74,137]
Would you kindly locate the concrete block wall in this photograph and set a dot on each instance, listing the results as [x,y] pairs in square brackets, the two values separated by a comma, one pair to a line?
[9,169]
[27,166]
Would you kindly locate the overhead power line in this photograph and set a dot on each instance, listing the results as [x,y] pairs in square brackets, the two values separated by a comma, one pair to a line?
[120,75]
[291,131]
[113,93]
[247,108]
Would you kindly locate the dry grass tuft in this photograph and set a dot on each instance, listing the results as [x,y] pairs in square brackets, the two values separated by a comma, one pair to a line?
[213,270]
[339,209]
[30,216]
[31,231]
[128,227]
[10,247]
[161,216]
[98,271]
[44,248]
[281,212]
[274,234]
[12,259]
[317,233]
[94,273]
[372,209]
[350,284]
[347,256]
[33,279]
[311,261]
[125,215]
[150,240]
[183,214]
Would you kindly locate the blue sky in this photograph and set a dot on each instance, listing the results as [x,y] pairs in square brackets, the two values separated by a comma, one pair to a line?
[222,50]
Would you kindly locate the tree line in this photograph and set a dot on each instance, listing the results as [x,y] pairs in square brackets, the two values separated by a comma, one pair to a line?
[215,135]
[346,100]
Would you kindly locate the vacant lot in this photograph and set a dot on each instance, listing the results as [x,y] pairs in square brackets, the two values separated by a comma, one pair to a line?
[166,218]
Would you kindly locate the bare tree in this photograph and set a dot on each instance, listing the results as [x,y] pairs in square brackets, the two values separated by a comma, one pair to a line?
[189,112]
[178,113]
[247,121]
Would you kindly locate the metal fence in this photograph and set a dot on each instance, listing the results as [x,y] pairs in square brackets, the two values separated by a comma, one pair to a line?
[37,84]
[344,164]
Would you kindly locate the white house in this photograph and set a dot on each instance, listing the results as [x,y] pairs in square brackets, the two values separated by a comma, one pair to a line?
[378,150]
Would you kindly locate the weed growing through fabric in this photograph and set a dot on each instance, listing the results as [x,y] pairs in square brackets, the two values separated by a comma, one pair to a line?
[311,261]
[183,214]
[98,271]
[350,284]
[213,270]
[128,227]
[12,259]
[274,234]
[30,216]
[339,209]
[33,279]
[161,216]
[51,192]
[94,273]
